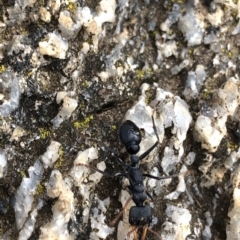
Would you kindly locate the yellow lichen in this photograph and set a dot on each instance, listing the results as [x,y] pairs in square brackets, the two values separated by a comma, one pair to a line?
[148,96]
[234,14]
[206,25]
[149,71]
[39,189]
[170,32]
[233,146]
[42,2]
[22,173]
[90,40]
[142,73]
[60,160]
[44,133]
[2,68]
[230,54]
[178,1]
[152,34]
[72,6]
[85,83]
[225,8]
[190,51]
[114,127]
[84,123]
[118,64]
[206,93]
[23,31]
[30,73]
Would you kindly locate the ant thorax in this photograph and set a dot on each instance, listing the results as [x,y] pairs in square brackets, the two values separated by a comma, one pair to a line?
[134,160]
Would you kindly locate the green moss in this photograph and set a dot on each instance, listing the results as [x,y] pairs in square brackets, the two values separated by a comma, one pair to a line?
[84,123]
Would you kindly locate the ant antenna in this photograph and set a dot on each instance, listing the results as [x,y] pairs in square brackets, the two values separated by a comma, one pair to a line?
[155,131]
[154,125]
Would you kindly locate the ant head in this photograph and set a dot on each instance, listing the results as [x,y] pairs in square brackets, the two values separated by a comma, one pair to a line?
[140,216]
[130,136]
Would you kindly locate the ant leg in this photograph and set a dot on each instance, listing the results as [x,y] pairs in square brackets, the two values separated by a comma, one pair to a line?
[144,232]
[148,151]
[135,234]
[102,172]
[122,163]
[156,143]
[161,178]
[154,125]
[113,222]
[134,231]
[166,177]
[149,195]
[155,233]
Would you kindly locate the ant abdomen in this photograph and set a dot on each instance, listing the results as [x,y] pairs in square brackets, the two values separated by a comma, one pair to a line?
[140,216]
[130,136]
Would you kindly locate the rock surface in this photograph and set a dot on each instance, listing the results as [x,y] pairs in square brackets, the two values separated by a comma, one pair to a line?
[72,71]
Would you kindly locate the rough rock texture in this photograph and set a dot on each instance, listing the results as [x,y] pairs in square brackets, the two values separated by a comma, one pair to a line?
[72,71]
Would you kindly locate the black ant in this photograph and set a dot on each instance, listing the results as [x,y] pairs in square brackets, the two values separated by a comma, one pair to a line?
[139,215]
